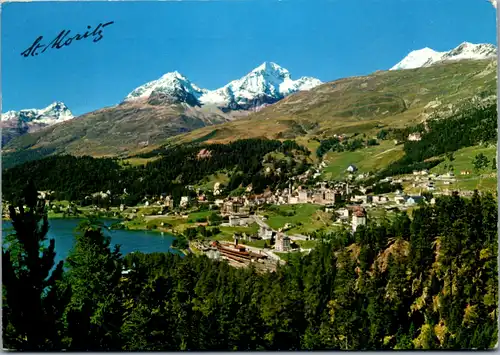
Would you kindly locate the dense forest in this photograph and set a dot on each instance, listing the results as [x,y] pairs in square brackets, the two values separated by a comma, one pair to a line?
[11,159]
[425,282]
[73,178]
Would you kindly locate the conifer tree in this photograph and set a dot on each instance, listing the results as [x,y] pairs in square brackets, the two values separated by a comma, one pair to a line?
[33,297]
[94,271]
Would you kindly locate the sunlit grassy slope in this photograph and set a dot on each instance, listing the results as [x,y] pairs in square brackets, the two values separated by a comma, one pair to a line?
[359,104]
[366,160]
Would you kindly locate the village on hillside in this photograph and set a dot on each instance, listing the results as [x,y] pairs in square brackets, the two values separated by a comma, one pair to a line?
[249,237]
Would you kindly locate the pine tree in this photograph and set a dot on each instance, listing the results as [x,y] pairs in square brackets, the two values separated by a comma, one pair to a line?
[94,272]
[33,297]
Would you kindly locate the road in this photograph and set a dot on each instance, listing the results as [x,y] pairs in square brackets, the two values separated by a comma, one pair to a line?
[386,151]
[260,222]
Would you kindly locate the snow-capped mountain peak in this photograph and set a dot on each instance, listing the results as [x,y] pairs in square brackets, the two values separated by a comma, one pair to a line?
[427,56]
[265,84]
[418,58]
[54,113]
[272,69]
[170,84]
[57,109]
[16,123]
[467,50]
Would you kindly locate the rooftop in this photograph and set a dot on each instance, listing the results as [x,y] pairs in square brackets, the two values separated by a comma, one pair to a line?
[359,214]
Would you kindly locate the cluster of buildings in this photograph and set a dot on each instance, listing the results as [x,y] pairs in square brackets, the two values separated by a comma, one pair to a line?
[236,254]
[427,181]
[321,195]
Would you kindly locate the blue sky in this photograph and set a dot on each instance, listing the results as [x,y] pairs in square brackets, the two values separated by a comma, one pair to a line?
[213,42]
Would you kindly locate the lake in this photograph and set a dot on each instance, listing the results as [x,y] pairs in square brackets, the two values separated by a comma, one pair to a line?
[63,231]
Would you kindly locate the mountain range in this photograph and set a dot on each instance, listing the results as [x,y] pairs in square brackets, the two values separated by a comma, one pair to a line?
[266,84]
[167,106]
[15,123]
[265,102]
[426,56]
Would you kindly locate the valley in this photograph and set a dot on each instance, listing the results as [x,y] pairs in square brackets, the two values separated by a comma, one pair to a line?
[359,213]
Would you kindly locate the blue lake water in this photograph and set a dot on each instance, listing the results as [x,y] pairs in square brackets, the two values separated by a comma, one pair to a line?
[63,231]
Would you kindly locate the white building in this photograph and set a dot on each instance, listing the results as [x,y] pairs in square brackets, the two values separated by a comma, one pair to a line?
[358,219]
[343,212]
[265,233]
[234,221]
[413,200]
[352,168]
[282,243]
[362,198]
[414,137]
[217,189]
[184,201]
[302,196]
[383,199]
[169,202]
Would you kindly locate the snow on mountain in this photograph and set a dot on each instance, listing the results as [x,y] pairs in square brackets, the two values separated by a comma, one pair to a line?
[17,123]
[54,113]
[417,58]
[427,56]
[170,85]
[468,50]
[265,84]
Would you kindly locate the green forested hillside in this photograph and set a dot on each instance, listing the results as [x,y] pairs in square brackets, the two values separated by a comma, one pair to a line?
[244,162]
[426,283]
[470,126]
[429,282]
[73,178]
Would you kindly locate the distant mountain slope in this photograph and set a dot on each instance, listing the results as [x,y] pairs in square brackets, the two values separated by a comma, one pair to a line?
[118,129]
[155,111]
[16,123]
[266,84]
[363,104]
[426,57]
